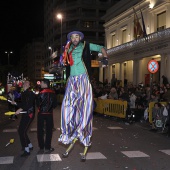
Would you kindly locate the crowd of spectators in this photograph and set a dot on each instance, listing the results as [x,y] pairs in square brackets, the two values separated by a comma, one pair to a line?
[135,95]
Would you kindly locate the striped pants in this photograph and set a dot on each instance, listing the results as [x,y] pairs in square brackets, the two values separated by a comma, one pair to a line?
[76,111]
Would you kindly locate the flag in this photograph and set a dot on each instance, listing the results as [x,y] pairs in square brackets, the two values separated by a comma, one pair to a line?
[138,32]
[143,24]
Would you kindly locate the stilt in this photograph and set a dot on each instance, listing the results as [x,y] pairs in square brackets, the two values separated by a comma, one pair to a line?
[83,156]
[65,155]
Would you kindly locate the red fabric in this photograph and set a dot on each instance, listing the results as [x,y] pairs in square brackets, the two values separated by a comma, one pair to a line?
[71,60]
[71,57]
[47,91]
[65,53]
[31,115]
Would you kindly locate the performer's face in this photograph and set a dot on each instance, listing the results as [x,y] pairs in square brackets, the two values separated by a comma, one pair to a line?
[75,39]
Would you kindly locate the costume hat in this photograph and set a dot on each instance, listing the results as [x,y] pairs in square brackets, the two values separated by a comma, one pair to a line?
[75,32]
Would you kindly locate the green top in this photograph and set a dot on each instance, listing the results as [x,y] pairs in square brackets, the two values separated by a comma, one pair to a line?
[79,67]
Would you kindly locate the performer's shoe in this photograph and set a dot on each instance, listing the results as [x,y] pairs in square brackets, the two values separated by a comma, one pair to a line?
[25,154]
[23,148]
[65,155]
[83,156]
[31,149]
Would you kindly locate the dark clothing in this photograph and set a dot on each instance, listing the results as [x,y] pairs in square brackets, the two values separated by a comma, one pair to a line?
[48,119]
[166,96]
[46,102]
[164,80]
[23,128]
[87,58]
[124,96]
[168,122]
[27,102]
[28,105]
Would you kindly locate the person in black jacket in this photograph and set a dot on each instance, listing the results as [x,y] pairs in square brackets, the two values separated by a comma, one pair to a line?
[27,106]
[46,102]
[164,80]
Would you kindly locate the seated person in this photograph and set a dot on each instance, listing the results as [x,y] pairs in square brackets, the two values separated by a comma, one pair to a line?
[156,115]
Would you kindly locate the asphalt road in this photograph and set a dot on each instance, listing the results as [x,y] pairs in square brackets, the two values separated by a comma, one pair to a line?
[115,146]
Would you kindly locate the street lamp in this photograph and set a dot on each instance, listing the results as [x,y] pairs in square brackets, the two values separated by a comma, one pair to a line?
[8,55]
[51,50]
[59,16]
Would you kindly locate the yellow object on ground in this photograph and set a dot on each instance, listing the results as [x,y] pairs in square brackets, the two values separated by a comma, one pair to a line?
[11,141]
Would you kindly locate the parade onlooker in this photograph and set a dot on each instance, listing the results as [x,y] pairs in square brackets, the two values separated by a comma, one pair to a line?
[154,98]
[166,95]
[148,93]
[113,94]
[46,102]
[156,115]
[104,95]
[132,98]
[123,95]
[168,121]
[11,98]
[164,80]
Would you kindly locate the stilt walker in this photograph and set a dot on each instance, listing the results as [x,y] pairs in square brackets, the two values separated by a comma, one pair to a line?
[77,105]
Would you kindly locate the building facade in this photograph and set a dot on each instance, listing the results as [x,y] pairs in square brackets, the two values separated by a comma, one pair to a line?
[82,15]
[129,57]
[32,60]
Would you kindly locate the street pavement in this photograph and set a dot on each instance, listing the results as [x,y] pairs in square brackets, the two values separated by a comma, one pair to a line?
[115,146]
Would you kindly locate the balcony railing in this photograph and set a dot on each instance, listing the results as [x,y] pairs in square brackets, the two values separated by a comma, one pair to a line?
[154,37]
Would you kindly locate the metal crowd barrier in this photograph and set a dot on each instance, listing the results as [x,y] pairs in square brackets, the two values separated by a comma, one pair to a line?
[116,108]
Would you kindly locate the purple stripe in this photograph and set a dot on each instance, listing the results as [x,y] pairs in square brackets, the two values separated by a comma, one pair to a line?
[76,110]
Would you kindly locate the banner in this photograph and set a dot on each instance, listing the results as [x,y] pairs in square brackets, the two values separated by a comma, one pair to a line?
[138,32]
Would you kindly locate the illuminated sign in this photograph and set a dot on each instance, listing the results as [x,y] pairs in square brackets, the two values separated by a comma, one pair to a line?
[49,76]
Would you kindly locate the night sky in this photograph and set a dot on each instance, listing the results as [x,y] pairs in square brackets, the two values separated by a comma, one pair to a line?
[20,22]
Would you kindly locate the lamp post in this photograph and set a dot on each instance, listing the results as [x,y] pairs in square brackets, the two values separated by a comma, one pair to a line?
[59,16]
[8,55]
[51,50]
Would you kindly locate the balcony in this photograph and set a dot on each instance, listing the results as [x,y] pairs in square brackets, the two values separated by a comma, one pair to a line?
[154,38]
